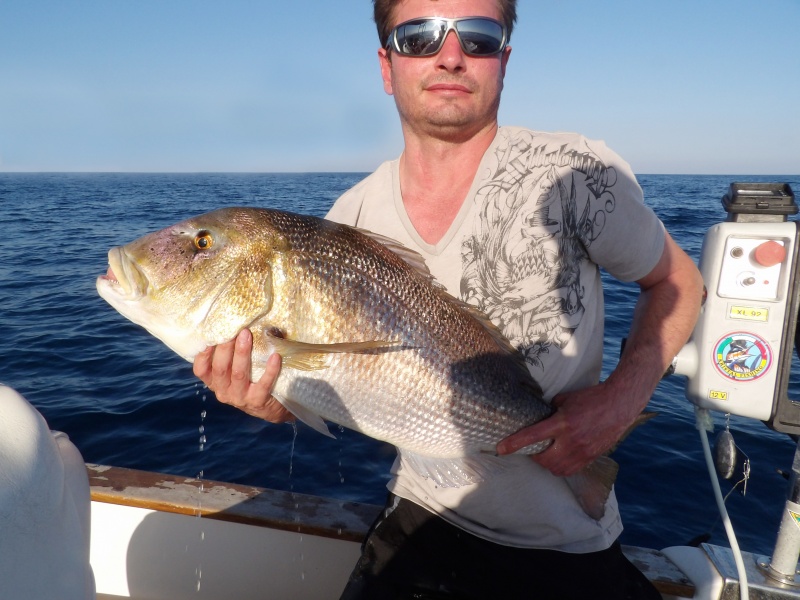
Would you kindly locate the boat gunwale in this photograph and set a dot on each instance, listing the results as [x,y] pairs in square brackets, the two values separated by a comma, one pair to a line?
[248,505]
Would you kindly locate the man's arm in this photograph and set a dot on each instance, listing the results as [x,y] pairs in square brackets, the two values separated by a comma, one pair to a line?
[225,369]
[589,422]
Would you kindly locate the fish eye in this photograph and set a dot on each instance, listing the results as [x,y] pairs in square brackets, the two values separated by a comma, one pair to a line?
[203,240]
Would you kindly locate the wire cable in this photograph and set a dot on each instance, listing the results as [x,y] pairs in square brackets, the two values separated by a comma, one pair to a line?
[702,417]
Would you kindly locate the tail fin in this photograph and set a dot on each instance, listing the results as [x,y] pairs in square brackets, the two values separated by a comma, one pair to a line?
[593,484]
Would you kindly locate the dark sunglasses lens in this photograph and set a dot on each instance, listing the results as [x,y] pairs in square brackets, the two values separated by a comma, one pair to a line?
[420,38]
[480,37]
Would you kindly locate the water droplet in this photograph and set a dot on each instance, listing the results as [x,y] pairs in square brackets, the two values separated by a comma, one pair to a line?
[291,452]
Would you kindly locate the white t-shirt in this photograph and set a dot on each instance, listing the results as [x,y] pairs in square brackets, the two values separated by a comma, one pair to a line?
[544,212]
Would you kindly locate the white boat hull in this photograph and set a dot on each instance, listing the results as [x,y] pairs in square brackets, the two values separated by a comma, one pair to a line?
[145,553]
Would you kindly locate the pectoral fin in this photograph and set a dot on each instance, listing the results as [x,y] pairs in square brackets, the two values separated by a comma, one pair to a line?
[308,417]
[454,472]
[311,357]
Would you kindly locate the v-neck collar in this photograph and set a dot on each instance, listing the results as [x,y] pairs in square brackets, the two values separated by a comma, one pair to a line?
[466,206]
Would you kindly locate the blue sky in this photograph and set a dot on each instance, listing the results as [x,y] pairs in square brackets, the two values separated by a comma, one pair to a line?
[679,86]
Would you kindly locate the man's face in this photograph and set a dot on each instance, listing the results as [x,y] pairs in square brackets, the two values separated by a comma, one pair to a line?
[449,95]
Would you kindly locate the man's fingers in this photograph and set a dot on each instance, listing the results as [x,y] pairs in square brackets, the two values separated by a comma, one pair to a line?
[221,362]
[543,430]
[271,371]
[240,365]
[517,441]
[259,394]
[202,365]
[226,370]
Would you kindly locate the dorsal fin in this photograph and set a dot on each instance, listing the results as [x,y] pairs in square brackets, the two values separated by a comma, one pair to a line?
[487,323]
[412,258]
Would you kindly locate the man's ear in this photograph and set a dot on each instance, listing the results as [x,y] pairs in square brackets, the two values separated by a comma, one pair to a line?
[385,58]
[504,59]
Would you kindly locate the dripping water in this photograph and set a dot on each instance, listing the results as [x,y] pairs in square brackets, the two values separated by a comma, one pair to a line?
[296,503]
[341,477]
[201,488]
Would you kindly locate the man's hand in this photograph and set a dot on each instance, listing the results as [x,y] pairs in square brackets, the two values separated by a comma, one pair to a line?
[225,369]
[586,424]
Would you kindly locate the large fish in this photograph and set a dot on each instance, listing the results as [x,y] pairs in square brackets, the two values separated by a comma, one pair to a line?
[369,340]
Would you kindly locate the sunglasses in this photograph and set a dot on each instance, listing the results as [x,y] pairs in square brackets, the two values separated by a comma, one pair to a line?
[478,36]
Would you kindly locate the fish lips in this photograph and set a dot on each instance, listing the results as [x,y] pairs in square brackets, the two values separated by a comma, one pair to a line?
[124,277]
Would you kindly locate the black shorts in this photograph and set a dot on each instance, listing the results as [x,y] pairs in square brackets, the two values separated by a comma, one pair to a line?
[411,553]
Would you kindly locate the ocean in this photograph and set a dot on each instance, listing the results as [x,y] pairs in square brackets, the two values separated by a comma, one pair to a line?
[125,399]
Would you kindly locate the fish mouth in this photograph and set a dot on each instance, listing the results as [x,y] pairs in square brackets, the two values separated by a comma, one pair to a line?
[124,275]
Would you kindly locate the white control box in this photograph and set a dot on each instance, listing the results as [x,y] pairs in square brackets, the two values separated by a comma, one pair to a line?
[732,359]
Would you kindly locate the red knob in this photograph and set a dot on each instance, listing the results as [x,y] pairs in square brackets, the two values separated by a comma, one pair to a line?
[769,253]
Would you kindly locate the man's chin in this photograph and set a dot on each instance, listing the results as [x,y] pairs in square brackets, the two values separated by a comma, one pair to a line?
[457,127]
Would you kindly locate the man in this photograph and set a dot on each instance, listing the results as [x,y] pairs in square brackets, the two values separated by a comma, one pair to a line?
[516,222]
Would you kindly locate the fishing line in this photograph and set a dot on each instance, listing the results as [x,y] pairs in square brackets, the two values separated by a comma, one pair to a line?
[703,422]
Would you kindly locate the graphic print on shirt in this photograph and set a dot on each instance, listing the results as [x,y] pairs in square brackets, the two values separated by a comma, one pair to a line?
[539,210]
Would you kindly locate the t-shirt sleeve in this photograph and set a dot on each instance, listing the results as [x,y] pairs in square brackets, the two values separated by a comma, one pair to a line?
[347,208]
[631,240]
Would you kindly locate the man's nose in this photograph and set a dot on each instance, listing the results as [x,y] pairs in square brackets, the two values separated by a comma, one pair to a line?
[451,56]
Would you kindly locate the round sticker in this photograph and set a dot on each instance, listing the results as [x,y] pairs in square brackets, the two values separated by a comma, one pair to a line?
[742,356]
